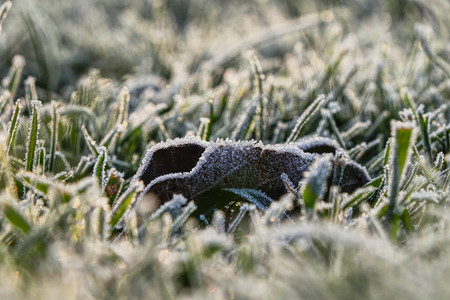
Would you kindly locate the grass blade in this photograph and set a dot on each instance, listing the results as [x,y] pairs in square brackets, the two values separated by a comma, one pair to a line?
[4,9]
[13,126]
[92,145]
[100,166]
[182,217]
[53,138]
[422,123]
[327,116]
[244,123]
[258,198]
[113,186]
[33,133]
[315,182]
[11,82]
[124,203]
[16,218]
[30,89]
[122,118]
[403,137]
[109,140]
[305,117]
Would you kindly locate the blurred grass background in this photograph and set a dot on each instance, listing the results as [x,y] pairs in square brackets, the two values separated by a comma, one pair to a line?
[63,40]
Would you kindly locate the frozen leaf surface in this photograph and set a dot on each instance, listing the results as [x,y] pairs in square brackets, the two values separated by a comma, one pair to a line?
[199,170]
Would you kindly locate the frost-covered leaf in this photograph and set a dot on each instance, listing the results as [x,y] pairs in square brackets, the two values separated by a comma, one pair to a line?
[348,174]
[199,170]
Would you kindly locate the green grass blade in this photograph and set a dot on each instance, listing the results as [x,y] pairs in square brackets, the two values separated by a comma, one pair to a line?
[30,89]
[4,9]
[246,120]
[212,120]
[100,221]
[305,117]
[41,158]
[259,78]
[328,117]
[124,202]
[16,218]
[33,133]
[256,197]
[422,123]
[315,182]
[11,82]
[113,185]
[53,138]
[100,166]
[110,138]
[403,138]
[124,96]
[387,152]
[13,127]
[92,145]
[425,130]
[182,217]
[39,183]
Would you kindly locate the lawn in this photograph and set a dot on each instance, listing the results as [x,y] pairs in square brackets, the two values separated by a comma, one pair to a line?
[213,149]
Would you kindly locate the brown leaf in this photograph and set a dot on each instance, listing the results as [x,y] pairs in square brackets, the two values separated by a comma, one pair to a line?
[199,169]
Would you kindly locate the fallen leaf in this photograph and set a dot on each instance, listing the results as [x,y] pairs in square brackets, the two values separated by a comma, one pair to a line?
[200,170]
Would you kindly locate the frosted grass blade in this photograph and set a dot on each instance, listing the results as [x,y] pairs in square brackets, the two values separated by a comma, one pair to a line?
[327,116]
[11,82]
[33,133]
[100,166]
[246,119]
[13,127]
[110,138]
[124,202]
[258,198]
[4,9]
[315,183]
[305,117]
[124,96]
[53,138]
[182,217]
[422,122]
[16,218]
[92,145]
[403,137]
